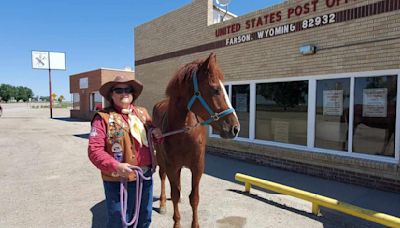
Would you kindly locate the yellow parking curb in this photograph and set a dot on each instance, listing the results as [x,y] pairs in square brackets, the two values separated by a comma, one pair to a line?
[318,200]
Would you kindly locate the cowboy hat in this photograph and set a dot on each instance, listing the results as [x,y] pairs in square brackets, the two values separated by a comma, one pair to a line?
[137,86]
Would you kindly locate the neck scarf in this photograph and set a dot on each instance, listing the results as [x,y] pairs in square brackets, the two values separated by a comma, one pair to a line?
[136,127]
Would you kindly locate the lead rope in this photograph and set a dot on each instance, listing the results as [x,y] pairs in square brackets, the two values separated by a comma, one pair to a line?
[182,130]
[151,144]
[139,187]
[152,150]
[124,197]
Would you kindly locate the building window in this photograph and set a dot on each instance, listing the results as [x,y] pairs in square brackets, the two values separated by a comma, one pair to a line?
[281,112]
[241,104]
[374,115]
[348,114]
[76,101]
[96,101]
[332,114]
[83,83]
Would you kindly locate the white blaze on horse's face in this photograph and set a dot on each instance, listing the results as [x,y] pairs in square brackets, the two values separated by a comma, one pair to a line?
[229,128]
[227,100]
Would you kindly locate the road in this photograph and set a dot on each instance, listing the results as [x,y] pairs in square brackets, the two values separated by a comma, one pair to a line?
[47,180]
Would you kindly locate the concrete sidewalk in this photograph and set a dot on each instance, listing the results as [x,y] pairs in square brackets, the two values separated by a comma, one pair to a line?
[47,180]
[372,199]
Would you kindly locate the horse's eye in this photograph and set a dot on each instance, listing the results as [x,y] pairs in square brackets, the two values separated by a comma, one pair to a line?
[217,91]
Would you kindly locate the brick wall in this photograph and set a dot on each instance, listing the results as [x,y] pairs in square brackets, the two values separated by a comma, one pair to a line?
[366,173]
[96,78]
[357,43]
[182,28]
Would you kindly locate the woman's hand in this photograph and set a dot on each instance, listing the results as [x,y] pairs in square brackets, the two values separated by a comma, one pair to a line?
[157,135]
[123,169]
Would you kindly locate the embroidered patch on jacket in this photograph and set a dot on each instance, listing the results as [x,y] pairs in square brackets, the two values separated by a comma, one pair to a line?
[93,132]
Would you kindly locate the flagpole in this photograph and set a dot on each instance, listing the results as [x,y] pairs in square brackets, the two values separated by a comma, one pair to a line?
[51,97]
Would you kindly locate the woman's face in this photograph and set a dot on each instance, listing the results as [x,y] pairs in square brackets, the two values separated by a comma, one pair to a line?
[122,95]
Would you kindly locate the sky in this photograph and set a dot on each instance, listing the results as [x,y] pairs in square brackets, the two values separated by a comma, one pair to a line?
[91,33]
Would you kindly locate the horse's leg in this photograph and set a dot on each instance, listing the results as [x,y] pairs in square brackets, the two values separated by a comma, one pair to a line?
[194,195]
[179,184]
[162,174]
[163,198]
[174,177]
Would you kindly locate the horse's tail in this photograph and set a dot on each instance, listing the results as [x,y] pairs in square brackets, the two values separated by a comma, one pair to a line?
[159,111]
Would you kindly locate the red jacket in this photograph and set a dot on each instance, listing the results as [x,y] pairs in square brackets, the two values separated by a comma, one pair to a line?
[99,146]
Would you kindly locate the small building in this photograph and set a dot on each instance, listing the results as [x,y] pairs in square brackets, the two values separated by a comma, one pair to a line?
[84,88]
[314,83]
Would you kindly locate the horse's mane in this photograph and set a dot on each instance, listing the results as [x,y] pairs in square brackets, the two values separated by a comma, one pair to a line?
[184,75]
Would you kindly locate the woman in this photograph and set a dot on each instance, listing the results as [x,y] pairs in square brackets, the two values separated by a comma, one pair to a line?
[118,141]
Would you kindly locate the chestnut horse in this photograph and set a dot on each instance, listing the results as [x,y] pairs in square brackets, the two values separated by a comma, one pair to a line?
[387,123]
[194,94]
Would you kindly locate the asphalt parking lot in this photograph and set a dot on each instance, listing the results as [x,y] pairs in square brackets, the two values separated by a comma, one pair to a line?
[47,180]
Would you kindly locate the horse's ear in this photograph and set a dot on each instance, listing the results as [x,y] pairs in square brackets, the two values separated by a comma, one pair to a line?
[210,61]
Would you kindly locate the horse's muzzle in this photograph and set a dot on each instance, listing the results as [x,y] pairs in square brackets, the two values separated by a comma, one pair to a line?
[235,131]
[230,132]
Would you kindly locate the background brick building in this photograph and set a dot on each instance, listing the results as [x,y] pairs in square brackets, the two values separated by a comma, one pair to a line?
[84,88]
[335,61]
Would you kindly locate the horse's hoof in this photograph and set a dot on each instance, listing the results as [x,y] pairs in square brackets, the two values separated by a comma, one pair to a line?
[163,210]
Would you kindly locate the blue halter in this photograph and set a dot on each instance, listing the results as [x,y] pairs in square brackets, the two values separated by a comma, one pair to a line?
[214,116]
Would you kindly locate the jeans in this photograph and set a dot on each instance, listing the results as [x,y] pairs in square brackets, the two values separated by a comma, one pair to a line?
[112,190]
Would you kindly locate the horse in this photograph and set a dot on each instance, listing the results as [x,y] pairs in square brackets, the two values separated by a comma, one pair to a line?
[179,112]
[387,123]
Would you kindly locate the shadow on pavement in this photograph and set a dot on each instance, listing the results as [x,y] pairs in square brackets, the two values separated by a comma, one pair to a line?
[99,217]
[329,218]
[157,209]
[281,206]
[372,199]
[68,119]
[83,136]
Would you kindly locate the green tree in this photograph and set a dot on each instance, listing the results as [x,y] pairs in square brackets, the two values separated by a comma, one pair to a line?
[285,94]
[44,98]
[23,93]
[61,98]
[19,93]
[7,92]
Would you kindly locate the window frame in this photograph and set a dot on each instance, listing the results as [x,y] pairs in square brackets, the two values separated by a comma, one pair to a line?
[73,101]
[92,101]
[312,90]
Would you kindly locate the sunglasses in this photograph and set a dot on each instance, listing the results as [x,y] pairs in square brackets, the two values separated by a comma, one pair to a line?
[123,90]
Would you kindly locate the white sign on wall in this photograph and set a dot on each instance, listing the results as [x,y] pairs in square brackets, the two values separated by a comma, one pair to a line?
[83,83]
[375,102]
[333,102]
[281,130]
